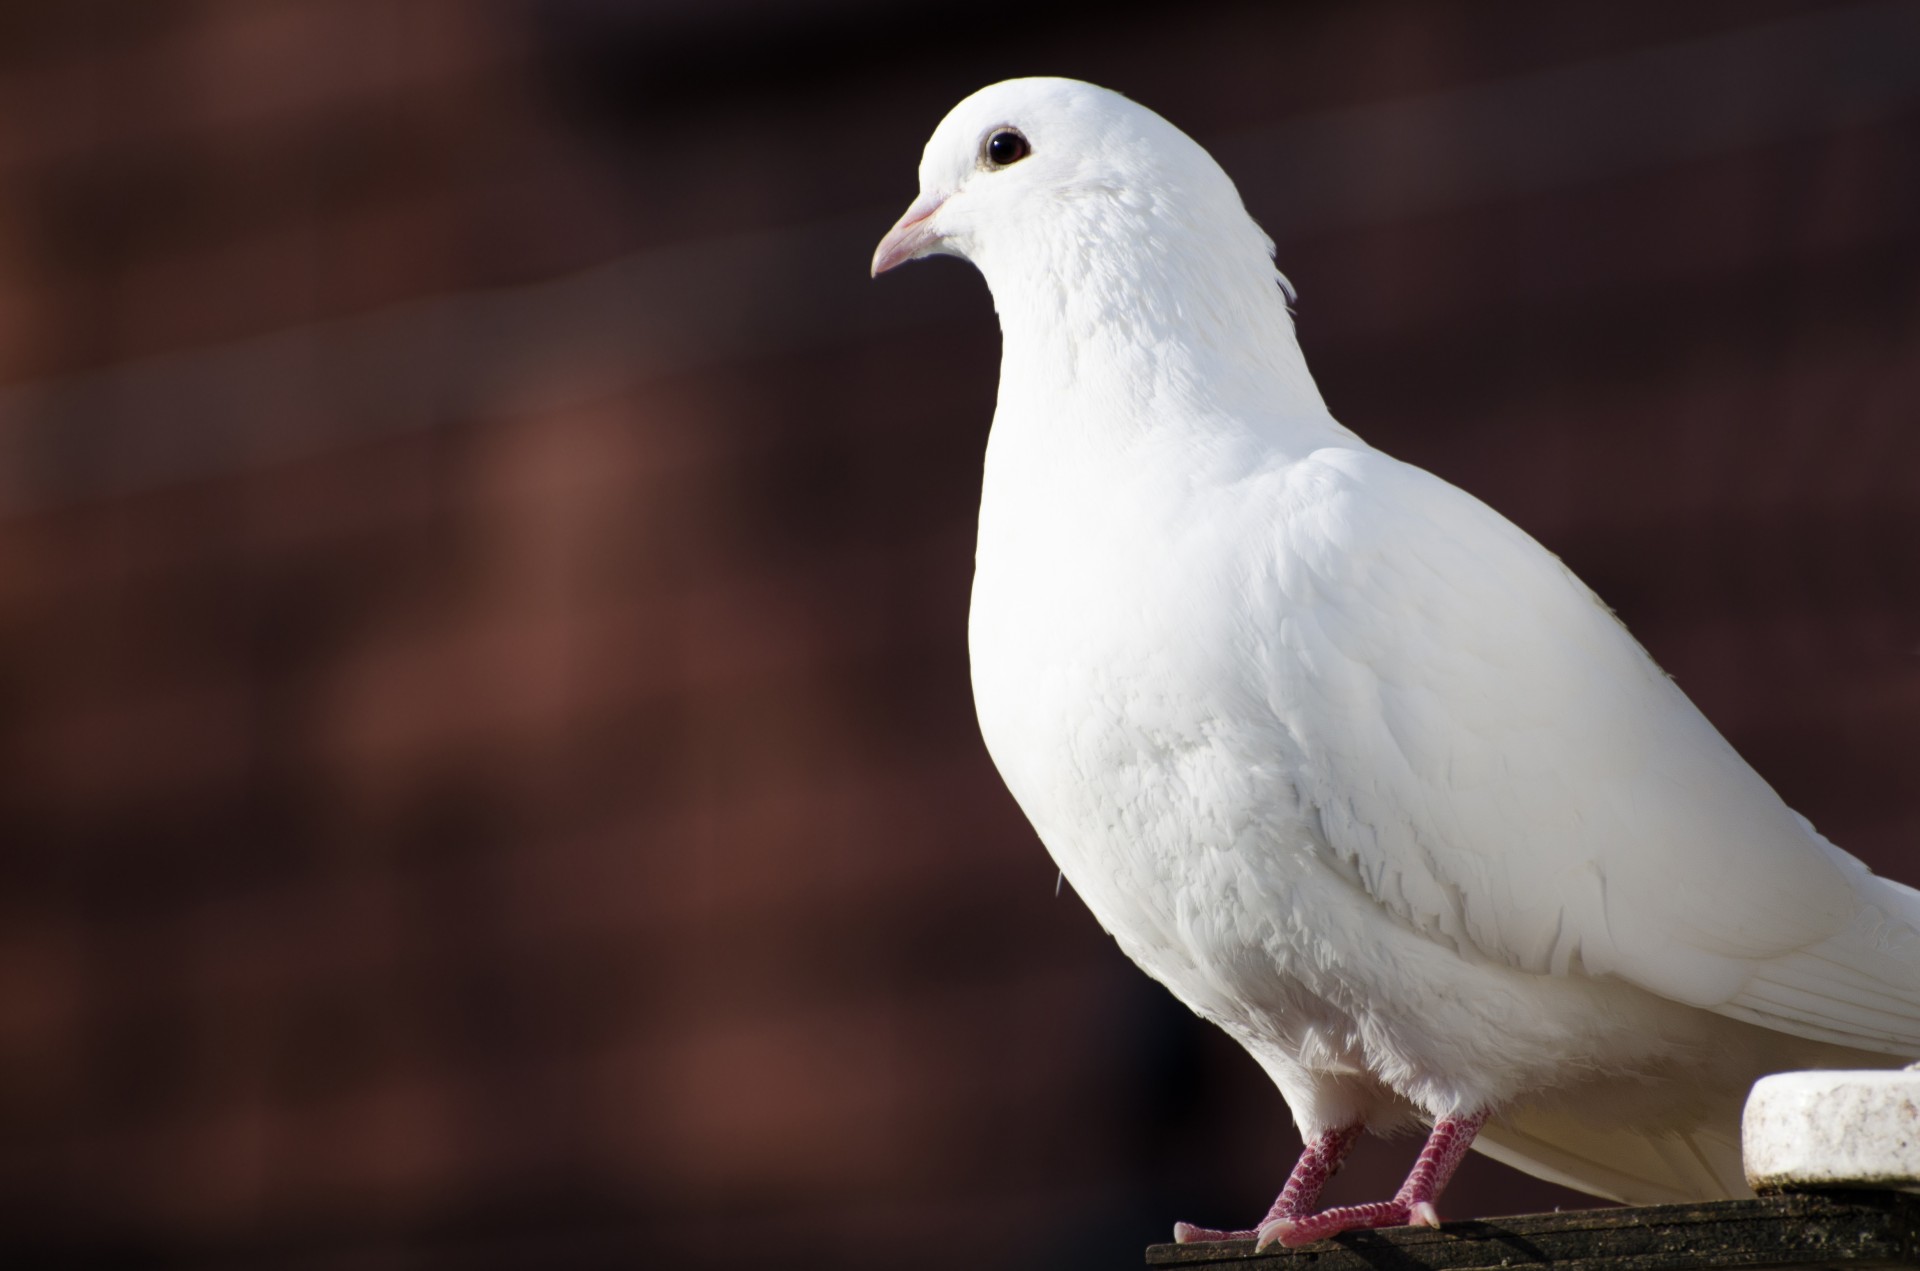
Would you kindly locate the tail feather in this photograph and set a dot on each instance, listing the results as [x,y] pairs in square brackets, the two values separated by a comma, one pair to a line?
[1860,987]
[1624,1165]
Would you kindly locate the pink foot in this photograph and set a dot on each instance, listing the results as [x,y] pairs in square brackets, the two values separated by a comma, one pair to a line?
[1412,1207]
[1291,1233]
[1318,1162]
[1290,1223]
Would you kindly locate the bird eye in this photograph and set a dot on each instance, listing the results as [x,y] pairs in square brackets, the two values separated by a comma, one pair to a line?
[1006,146]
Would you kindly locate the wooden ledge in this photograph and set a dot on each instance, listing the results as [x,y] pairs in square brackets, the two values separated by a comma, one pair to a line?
[1814,1231]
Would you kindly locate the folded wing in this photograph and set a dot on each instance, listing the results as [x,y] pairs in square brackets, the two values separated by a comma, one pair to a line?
[1508,771]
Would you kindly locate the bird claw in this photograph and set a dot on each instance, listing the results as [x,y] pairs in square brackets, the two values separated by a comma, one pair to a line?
[1423,1214]
[1277,1229]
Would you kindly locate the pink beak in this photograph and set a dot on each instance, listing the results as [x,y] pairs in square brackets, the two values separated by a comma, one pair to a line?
[911,236]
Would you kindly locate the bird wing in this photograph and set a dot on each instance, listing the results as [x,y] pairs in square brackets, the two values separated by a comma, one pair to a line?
[1500,764]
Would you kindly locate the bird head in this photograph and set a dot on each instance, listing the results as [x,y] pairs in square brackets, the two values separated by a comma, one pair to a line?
[1035,165]
[1106,235]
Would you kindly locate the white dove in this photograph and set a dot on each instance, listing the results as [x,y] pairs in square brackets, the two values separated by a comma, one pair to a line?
[1342,757]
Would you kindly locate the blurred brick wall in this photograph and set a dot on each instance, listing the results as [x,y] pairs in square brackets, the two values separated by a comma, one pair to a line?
[486,768]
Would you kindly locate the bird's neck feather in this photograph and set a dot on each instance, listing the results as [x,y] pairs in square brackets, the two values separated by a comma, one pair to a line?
[1168,319]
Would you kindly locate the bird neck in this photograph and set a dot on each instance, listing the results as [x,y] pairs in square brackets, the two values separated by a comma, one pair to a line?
[1167,323]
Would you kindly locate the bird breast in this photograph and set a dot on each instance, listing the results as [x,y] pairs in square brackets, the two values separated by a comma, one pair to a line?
[1111,670]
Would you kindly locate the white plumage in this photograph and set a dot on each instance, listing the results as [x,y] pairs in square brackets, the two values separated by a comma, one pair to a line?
[1344,758]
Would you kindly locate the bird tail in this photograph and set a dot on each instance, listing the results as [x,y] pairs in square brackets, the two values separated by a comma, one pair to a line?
[1859,988]
[1630,1166]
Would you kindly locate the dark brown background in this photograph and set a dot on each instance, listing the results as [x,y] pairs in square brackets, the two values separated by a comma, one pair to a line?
[487,775]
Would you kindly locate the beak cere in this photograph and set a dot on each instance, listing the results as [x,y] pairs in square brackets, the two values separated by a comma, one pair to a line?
[912,235]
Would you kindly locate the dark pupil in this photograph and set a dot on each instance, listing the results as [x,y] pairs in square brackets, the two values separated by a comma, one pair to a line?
[1006,147]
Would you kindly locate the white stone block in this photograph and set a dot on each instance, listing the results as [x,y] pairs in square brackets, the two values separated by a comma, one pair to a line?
[1833,1129]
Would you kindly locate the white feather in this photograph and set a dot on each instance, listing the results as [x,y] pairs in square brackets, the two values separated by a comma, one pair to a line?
[1343,757]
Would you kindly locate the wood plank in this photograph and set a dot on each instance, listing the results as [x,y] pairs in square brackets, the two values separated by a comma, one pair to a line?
[1852,1230]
